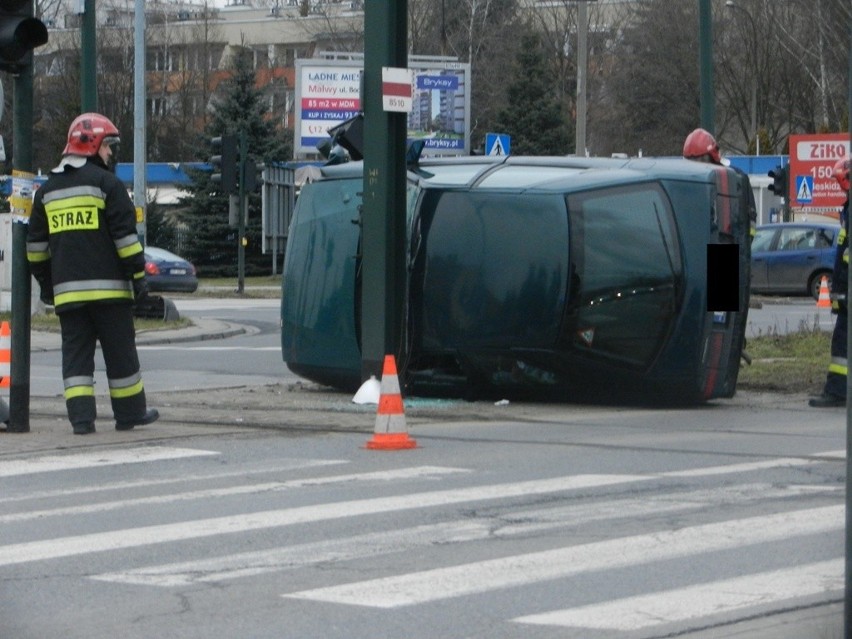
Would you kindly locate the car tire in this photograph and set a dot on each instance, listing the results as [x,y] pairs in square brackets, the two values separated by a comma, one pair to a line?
[815,282]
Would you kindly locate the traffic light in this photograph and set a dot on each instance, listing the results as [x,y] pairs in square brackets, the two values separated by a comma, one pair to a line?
[253,173]
[779,181]
[20,33]
[224,163]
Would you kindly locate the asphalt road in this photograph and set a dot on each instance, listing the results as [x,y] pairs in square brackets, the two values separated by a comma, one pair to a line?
[533,521]
[255,510]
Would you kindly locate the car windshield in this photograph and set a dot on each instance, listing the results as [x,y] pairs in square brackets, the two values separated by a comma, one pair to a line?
[162,254]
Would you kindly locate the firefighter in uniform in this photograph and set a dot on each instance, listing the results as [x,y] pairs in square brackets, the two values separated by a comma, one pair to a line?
[834,391]
[84,252]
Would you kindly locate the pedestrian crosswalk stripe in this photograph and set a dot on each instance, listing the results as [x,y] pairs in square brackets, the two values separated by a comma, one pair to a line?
[518,570]
[51,463]
[700,601]
[159,534]
[277,466]
[729,469]
[417,472]
[255,563]
[485,526]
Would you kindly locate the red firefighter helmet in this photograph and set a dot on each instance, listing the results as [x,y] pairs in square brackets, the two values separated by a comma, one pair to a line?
[841,172]
[700,143]
[87,132]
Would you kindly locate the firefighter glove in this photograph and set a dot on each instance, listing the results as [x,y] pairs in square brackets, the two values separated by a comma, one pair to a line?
[140,290]
[46,295]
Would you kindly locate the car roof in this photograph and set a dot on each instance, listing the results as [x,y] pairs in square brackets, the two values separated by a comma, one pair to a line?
[517,172]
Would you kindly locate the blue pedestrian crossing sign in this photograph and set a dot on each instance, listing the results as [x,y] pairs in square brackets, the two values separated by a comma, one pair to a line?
[497,144]
[804,189]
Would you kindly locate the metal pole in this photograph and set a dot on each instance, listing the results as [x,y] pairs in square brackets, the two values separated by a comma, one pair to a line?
[140,183]
[705,64]
[243,208]
[582,69]
[383,218]
[19,387]
[88,62]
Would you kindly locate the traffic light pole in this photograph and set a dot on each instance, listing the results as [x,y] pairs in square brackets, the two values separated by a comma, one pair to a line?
[241,223]
[383,219]
[19,369]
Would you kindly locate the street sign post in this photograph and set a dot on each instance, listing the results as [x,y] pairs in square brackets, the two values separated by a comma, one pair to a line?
[498,144]
[397,89]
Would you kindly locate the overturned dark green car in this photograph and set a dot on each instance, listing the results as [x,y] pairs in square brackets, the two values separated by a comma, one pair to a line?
[559,277]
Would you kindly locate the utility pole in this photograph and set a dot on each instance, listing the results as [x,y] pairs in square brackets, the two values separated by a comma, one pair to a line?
[88,62]
[140,182]
[20,33]
[705,65]
[582,70]
[383,219]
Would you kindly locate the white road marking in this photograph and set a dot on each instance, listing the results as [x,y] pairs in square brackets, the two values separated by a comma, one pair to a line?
[685,604]
[278,465]
[151,535]
[249,564]
[751,466]
[519,570]
[418,472]
[51,463]
[525,522]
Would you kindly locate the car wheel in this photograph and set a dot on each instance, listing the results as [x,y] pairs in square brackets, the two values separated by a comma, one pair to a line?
[816,282]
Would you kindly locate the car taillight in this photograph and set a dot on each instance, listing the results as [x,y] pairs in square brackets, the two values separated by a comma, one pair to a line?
[151,268]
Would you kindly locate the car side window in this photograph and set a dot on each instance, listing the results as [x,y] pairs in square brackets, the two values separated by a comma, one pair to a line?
[824,239]
[796,239]
[762,240]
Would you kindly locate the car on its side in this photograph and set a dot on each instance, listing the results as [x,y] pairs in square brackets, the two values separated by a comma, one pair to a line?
[167,272]
[565,278]
[791,258]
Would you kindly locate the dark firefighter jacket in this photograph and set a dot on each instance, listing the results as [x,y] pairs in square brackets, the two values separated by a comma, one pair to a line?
[82,244]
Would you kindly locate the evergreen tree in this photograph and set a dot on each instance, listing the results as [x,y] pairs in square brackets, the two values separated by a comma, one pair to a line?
[213,243]
[533,115]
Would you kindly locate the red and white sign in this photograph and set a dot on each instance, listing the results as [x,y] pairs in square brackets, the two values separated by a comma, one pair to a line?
[813,188]
[397,89]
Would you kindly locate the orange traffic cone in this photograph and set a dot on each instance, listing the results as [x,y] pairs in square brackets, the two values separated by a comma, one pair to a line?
[5,355]
[824,300]
[391,432]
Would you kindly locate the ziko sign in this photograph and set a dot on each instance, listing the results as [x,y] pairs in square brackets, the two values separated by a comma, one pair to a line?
[813,188]
[328,93]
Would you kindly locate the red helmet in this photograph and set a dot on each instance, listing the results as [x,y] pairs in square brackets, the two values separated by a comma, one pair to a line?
[700,143]
[841,172]
[87,132]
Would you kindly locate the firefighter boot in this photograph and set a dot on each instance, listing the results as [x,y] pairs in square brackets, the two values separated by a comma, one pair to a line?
[827,400]
[83,428]
[151,415]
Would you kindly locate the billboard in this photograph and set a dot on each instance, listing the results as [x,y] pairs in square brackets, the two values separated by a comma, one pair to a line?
[813,188]
[328,93]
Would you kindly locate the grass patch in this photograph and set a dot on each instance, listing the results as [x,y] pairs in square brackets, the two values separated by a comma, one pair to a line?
[254,280]
[49,322]
[254,287]
[792,363]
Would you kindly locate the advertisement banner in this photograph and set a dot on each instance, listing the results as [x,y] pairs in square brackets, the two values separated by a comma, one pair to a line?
[812,186]
[328,93]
